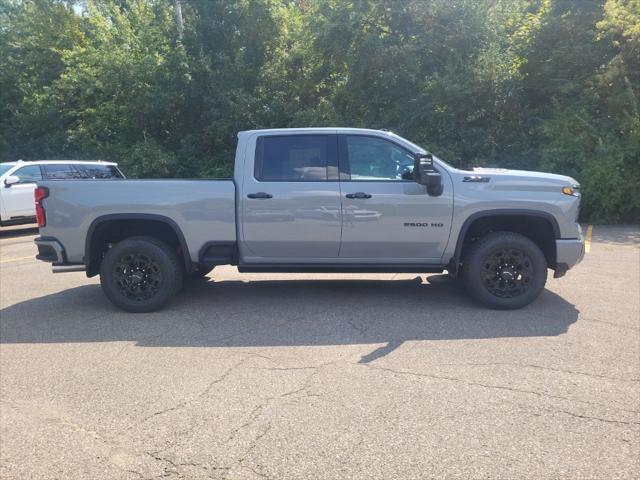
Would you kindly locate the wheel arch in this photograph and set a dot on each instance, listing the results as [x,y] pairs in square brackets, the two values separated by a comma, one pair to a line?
[128,225]
[541,227]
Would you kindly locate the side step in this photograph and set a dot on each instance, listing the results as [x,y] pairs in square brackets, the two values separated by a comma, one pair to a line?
[68,268]
[338,268]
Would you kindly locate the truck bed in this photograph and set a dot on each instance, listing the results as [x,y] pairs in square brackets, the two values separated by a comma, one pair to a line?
[204,210]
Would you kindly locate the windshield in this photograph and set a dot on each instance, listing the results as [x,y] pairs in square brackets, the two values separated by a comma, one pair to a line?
[5,167]
[418,148]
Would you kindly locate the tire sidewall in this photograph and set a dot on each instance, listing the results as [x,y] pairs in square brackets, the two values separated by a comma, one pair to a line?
[172,275]
[472,270]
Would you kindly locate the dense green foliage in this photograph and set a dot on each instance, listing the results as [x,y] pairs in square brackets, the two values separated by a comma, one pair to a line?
[536,84]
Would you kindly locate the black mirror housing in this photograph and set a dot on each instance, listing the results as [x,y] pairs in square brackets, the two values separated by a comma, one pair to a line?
[425,174]
[421,162]
[433,181]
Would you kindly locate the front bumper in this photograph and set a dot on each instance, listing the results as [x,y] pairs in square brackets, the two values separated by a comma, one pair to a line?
[569,253]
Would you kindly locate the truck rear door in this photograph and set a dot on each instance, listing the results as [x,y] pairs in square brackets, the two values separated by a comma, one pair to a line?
[290,198]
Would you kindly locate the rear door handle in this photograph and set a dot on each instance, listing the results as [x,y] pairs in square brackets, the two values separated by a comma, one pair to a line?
[263,195]
[358,195]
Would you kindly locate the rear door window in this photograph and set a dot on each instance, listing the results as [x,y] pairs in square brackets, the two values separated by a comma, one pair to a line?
[290,158]
[99,171]
[61,171]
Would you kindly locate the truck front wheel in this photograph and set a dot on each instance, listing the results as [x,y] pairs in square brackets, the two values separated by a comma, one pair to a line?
[141,274]
[504,270]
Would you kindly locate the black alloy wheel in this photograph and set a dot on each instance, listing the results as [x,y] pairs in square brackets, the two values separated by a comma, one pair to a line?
[504,270]
[141,274]
[138,277]
[507,272]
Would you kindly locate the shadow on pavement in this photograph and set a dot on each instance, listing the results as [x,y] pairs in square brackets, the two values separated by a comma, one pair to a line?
[267,313]
[617,234]
[9,232]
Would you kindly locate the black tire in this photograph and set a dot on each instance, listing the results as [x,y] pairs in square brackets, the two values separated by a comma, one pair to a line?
[141,274]
[200,273]
[504,271]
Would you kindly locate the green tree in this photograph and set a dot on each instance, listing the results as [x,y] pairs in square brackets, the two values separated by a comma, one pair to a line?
[34,35]
[531,84]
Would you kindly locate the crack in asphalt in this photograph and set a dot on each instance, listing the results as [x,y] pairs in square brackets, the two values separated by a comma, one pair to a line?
[283,369]
[254,416]
[599,419]
[540,367]
[186,403]
[256,472]
[614,324]
[251,447]
[174,468]
[259,409]
[496,387]
[253,330]
[360,329]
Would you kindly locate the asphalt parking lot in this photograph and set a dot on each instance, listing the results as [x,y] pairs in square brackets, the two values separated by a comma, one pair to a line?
[321,376]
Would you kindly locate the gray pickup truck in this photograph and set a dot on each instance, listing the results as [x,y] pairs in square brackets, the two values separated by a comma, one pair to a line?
[317,200]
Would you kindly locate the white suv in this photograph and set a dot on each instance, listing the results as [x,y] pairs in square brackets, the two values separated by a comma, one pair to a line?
[18,181]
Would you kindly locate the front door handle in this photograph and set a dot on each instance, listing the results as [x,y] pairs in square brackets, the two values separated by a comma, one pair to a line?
[260,195]
[358,195]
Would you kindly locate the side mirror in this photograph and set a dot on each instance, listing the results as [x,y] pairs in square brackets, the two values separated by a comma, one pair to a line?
[11,180]
[425,174]
[433,181]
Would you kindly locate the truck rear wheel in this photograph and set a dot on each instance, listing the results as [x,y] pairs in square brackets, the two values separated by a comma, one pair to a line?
[141,274]
[504,270]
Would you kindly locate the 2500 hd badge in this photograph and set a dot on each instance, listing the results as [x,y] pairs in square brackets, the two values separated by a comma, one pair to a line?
[423,224]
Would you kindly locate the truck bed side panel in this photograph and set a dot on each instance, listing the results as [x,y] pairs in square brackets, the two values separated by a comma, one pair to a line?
[204,210]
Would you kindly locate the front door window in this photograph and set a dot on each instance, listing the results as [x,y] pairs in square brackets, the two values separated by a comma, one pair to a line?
[373,158]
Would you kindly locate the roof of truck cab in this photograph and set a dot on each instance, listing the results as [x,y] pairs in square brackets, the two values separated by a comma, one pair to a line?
[329,130]
[317,129]
[65,162]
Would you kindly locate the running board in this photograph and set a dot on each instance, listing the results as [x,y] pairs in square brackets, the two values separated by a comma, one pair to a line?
[68,268]
[338,268]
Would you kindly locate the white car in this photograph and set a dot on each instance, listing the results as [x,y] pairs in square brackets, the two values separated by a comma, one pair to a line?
[18,181]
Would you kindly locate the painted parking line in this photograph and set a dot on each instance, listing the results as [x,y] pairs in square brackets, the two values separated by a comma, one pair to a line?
[587,239]
[16,259]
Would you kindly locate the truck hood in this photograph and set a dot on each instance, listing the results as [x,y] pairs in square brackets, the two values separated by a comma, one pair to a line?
[526,175]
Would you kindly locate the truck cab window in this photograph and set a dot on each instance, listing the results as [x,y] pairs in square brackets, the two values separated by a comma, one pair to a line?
[29,174]
[5,167]
[61,171]
[99,171]
[292,158]
[372,158]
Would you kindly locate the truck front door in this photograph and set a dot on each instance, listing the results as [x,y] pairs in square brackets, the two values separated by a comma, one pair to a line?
[388,217]
[290,199]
